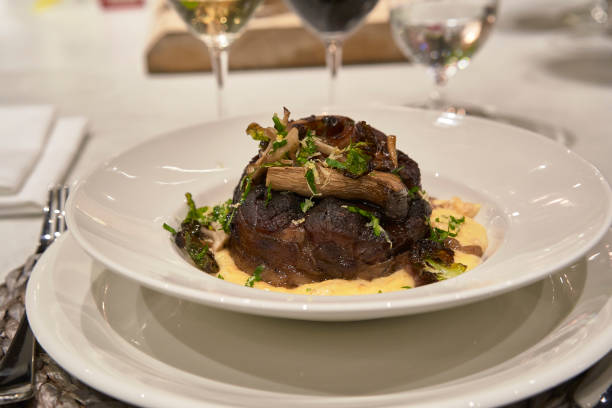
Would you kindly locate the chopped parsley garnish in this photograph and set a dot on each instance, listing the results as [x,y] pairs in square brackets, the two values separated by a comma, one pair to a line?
[278,144]
[359,144]
[308,148]
[242,181]
[194,213]
[204,216]
[256,277]
[268,196]
[335,164]
[413,191]
[199,255]
[379,291]
[356,161]
[439,235]
[454,223]
[223,214]
[374,222]
[277,163]
[306,205]
[220,277]
[278,125]
[169,229]
[406,287]
[245,186]
[310,178]
[397,170]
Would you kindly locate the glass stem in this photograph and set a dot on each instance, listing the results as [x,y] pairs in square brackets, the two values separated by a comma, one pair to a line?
[333,60]
[219,64]
[437,99]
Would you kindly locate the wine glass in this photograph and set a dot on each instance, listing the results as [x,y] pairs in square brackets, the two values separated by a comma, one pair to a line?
[217,23]
[333,21]
[442,35]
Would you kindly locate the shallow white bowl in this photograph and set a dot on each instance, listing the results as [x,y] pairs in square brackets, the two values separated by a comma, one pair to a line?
[543,207]
[154,350]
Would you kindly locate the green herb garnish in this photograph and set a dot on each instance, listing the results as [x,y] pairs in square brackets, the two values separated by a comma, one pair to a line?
[356,161]
[268,196]
[223,214]
[169,229]
[406,287]
[439,235]
[199,255]
[308,148]
[220,277]
[453,224]
[194,213]
[278,144]
[204,216]
[413,191]
[374,222]
[443,272]
[310,179]
[335,164]
[397,170]
[246,182]
[256,277]
[278,125]
[275,164]
[306,205]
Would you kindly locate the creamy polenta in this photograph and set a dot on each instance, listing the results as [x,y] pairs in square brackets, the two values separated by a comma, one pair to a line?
[470,234]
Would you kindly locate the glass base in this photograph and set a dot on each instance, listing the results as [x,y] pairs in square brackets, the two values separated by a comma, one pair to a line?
[551,131]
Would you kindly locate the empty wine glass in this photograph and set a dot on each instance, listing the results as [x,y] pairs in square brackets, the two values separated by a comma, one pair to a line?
[218,23]
[442,35]
[333,21]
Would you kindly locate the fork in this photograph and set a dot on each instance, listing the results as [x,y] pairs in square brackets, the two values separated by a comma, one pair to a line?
[17,366]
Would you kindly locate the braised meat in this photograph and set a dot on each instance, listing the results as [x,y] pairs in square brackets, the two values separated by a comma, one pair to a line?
[328,242]
[332,238]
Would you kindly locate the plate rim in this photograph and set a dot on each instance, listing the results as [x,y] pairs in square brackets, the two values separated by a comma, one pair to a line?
[515,388]
[301,307]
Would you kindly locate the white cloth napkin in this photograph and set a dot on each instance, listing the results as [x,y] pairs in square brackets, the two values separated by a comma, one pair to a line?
[55,159]
[23,134]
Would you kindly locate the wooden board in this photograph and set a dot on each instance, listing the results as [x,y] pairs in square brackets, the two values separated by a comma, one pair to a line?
[275,38]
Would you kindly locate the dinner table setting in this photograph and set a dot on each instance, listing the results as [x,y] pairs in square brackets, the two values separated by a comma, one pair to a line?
[130,275]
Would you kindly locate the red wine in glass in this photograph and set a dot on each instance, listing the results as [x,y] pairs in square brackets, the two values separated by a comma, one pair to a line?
[332,21]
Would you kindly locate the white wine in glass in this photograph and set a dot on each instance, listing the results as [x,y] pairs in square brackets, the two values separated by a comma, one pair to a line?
[218,23]
[442,35]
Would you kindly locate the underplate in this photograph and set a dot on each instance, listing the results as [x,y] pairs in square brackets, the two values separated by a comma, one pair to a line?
[156,350]
[543,207]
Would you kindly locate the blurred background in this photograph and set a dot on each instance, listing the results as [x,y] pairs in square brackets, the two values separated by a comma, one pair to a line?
[135,70]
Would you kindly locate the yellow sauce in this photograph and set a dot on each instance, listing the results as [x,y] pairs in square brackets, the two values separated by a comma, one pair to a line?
[470,233]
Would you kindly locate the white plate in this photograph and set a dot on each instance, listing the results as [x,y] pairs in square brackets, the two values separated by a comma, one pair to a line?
[155,350]
[543,207]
